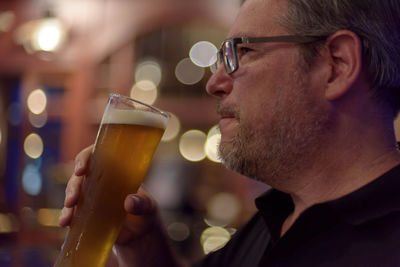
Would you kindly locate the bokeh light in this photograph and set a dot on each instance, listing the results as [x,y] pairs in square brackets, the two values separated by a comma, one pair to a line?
[191,145]
[178,231]
[188,73]
[8,223]
[214,238]
[32,180]
[148,70]
[49,35]
[146,85]
[223,209]
[33,146]
[7,18]
[37,101]
[203,54]
[48,217]
[172,130]
[212,143]
[38,120]
[144,91]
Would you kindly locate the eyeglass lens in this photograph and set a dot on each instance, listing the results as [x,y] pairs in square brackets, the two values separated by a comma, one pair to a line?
[229,56]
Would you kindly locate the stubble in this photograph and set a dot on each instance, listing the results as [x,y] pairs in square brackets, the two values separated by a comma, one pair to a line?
[276,150]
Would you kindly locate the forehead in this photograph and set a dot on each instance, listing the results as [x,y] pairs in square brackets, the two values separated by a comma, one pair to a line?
[259,18]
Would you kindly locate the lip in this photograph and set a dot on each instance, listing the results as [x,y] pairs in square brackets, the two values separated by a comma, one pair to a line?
[228,125]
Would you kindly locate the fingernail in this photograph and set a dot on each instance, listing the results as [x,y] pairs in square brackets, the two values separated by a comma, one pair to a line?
[137,203]
[78,166]
[68,194]
[61,216]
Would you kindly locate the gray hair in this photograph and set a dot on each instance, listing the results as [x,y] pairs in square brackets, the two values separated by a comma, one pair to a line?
[376,22]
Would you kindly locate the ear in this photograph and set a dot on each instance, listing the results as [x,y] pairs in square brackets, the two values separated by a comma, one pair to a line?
[344,51]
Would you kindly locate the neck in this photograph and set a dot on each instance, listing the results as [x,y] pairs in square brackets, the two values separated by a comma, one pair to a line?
[334,184]
[347,164]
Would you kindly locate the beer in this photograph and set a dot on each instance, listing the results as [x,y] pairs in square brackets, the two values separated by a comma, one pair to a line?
[124,147]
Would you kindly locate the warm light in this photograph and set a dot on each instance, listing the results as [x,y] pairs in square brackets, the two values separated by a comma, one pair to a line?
[32,180]
[191,145]
[172,130]
[33,146]
[212,143]
[7,18]
[37,101]
[144,91]
[223,209]
[146,85]
[149,70]
[203,54]
[188,73]
[178,231]
[38,121]
[8,223]
[48,217]
[214,238]
[49,35]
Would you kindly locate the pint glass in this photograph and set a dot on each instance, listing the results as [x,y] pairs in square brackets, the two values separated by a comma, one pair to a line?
[126,141]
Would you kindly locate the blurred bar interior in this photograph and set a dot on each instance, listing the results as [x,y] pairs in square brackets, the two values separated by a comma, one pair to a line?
[59,60]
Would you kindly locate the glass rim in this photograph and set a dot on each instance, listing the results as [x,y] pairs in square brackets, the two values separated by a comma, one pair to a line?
[161,112]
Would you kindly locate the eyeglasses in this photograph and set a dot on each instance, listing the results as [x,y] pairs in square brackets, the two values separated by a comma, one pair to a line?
[228,51]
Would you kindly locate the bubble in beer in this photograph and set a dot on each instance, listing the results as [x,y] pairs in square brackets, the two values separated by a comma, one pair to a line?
[191,145]
[37,101]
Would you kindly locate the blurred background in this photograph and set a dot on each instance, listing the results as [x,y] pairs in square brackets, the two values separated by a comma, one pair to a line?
[59,61]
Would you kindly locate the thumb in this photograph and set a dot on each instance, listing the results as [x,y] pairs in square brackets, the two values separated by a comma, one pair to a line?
[140,203]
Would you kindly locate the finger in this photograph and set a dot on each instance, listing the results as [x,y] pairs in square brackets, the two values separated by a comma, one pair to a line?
[140,204]
[72,191]
[82,161]
[65,217]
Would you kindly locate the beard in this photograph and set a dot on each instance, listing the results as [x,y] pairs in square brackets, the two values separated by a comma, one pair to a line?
[273,152]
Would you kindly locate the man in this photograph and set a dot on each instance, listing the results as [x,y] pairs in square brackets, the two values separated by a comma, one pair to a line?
[306,106]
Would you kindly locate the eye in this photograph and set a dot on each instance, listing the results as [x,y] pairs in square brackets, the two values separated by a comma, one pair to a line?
[244,50]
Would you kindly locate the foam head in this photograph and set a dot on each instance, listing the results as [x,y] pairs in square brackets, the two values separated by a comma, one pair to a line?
[136,117]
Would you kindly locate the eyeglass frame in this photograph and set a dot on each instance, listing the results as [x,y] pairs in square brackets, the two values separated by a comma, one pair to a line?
[222,57]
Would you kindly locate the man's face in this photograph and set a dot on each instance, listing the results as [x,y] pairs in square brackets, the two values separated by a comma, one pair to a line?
[272,110]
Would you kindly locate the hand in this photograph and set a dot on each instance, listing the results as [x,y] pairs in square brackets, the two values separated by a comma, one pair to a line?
[142,233]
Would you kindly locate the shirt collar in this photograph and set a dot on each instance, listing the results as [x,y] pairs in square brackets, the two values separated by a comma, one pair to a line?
[376,199]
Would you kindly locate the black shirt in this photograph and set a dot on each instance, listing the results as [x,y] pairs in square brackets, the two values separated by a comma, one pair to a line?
[359,229]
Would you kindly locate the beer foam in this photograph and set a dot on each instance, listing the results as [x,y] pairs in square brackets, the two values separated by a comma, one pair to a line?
[137,117]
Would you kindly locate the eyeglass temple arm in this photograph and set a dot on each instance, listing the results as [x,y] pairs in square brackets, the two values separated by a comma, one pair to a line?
[286,39]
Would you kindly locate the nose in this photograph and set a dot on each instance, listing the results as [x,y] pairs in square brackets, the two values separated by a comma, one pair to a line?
[219,84]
